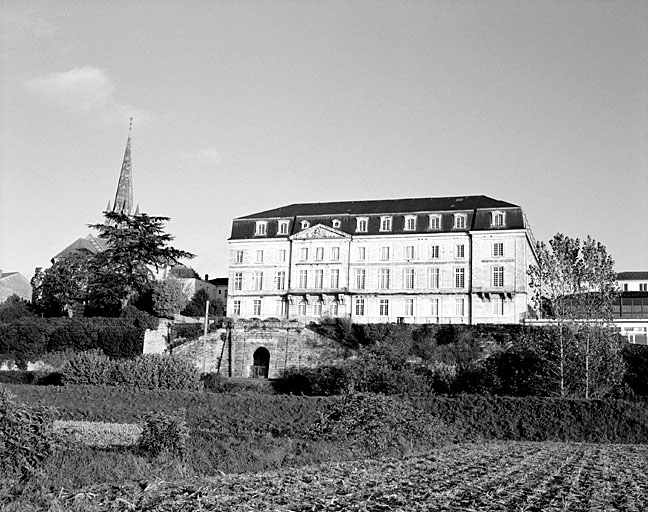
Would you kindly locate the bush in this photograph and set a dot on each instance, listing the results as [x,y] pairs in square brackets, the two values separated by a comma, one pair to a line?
[380,425]
[164,432]
[168,298]
[88,368]
[149,371]
[26,436]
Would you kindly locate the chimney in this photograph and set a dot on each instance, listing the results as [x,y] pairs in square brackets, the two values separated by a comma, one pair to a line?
[206,277]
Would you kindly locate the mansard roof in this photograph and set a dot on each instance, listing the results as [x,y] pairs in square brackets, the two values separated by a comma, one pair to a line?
[342,215]
[632,276]
[382,206]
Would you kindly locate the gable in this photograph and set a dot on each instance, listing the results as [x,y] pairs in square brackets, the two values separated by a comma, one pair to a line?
[319,231]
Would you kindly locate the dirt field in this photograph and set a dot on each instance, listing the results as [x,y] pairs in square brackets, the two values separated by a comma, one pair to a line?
[488,477]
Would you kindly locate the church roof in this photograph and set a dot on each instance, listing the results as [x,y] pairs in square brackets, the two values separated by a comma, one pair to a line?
[90,244]
[124,195]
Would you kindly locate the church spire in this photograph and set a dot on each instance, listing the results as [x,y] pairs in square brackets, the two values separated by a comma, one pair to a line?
[124,196]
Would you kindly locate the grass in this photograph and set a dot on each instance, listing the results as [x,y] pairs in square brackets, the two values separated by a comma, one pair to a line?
[501,476]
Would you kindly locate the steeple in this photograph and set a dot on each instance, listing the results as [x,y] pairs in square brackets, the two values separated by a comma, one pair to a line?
[124,196]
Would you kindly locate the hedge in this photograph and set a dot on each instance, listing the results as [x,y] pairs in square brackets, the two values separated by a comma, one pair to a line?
[487,418]
[29,338]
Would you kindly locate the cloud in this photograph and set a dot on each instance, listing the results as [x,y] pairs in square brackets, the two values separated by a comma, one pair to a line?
[17,27]
[205,157]
[84,91]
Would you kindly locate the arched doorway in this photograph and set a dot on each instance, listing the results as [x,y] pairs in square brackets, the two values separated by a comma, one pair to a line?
[261,363]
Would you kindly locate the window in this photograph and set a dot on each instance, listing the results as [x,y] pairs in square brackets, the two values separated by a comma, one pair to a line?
[498,305]
[279,307]
[409,307]
[283,227]
[459,221]
[258,280]
[497,219]
[261,228]
[305,224]
[498,249]
[319,279]
[259,257]
[237,307]
[625,287]
[319,253]
[281,255]
[239,257]
[257,307]
[434,252]
[303,253]
[384,253]
[336,223]
[385,223]
[301,308]
[435,221]
[408,279]
[335,278]
[410,222]
[361,224]
[303,278]
[359,307]
[643,287]
[498,276]
[459,307]
[460,274]
[360,278]
[434,307]
[434,277]
[334,308]
[335,253]
[383,279]
[409,252]
[384,307]
[362,253]
[317,308]
[460,250]
[280,280]
[238,280]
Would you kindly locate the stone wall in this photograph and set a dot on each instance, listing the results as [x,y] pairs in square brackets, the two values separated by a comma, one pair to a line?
[288,344]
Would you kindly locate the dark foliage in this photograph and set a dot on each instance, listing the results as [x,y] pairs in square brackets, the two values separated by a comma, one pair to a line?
[636,375]
[14,308]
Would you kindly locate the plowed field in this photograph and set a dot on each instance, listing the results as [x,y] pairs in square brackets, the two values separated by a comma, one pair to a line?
[485,477]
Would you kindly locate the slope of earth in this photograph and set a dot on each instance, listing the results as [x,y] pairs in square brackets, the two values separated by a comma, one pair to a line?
[489,477]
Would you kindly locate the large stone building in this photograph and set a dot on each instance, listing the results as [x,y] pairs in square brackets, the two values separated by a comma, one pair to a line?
[436,260]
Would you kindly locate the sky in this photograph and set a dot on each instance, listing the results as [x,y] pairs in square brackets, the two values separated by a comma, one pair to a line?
[244,106]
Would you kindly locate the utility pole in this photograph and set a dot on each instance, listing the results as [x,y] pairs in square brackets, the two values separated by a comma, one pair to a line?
[205,335]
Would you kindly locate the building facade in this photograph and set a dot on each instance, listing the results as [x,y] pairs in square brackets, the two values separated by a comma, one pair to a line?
[437,260]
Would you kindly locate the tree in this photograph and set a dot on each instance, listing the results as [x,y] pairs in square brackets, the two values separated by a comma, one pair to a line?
[136,245]
[63,285]
[196,306]
[168,298]
[575,284]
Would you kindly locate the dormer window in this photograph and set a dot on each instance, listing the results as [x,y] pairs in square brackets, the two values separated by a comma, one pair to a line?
[460,221]
[282,227]
[336,223]
[261,228]
[385,223]
[305,224]
[361,224]
[410,222]
[497,219]
[435,221]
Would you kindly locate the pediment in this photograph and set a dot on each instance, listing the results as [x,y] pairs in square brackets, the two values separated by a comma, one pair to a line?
[319,231]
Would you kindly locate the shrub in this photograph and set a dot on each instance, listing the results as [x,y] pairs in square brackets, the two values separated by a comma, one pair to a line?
[164,432]
[380,425]
[26,436]
[88,368]
[168,298]
[140,318]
